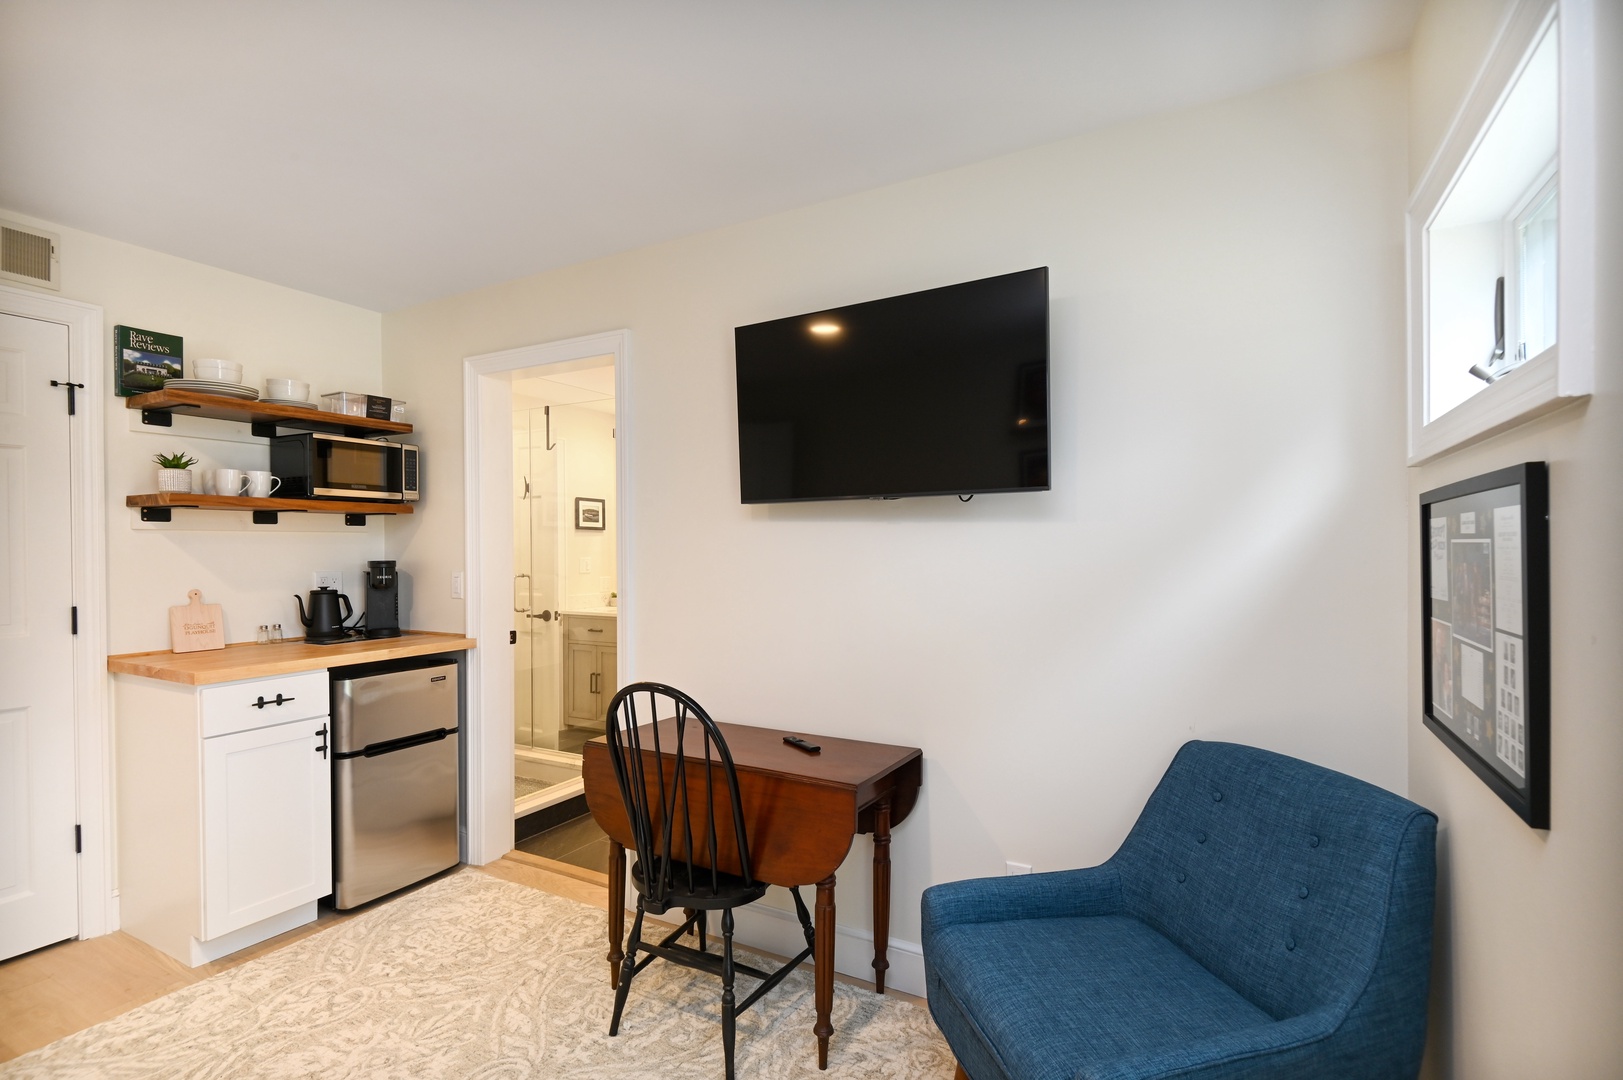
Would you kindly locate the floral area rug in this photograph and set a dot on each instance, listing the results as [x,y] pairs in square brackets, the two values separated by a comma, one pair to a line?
[476,977]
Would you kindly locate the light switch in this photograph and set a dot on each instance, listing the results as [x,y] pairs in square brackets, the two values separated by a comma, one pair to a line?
[586,564]
[457,585]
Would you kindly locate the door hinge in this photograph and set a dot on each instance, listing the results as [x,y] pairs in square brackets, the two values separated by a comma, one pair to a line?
[75,619]
[78,840]
[512,637]
[71,387]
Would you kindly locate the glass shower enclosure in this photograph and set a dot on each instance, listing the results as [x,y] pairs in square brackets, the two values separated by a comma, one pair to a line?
[542,774]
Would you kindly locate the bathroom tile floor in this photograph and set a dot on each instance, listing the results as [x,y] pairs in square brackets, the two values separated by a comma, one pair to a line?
[578,842]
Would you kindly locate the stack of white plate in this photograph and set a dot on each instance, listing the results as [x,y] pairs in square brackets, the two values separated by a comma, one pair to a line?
[210,386]
[294,402]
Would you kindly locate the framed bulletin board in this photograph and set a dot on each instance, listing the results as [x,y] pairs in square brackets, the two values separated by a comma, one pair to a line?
[1485,601]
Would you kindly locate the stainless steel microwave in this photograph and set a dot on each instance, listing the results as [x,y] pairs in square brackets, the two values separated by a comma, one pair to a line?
[313,465]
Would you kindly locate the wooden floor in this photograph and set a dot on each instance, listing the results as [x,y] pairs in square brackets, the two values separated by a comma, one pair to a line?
[64,988]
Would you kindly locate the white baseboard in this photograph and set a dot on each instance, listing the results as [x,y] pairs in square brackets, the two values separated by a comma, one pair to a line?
[778,931]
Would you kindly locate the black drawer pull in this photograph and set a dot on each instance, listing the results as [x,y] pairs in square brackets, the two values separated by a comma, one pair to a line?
[322,735]
[261,703]
[594,629]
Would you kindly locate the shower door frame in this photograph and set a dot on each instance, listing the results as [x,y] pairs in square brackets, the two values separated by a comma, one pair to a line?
[487,401]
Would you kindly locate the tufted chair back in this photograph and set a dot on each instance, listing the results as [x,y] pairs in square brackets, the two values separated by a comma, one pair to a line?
[1297,886]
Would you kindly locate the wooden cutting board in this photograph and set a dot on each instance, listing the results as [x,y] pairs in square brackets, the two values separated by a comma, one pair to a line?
[196,626]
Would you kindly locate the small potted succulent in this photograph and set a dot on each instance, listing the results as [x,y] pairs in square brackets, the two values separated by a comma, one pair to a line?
[174,472]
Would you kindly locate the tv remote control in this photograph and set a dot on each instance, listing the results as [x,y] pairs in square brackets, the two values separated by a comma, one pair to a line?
[801,744]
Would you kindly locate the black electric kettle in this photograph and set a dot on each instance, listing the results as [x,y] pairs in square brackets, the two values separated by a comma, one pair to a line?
[323,623]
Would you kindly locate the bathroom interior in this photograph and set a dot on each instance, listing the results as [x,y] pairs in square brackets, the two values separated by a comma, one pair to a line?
[565,599]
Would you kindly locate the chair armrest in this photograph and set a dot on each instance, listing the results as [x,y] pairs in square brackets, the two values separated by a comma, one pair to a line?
[1095,890]
[1286,1050]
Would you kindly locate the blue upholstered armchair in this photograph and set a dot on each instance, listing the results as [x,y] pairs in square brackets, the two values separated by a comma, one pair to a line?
[1264,918]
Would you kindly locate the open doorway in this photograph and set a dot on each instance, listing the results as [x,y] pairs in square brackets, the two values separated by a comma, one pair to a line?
[549,585]
[565,587]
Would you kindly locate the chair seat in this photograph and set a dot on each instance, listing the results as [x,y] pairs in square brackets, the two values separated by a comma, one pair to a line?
[726,891]
[1051,996]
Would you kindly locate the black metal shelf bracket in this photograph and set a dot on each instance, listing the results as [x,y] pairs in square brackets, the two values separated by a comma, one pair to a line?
[354,519]
[156,513]
[157,417]
[265,517]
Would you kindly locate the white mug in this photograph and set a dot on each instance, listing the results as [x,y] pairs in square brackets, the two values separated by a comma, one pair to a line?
[229,481]
[262,484]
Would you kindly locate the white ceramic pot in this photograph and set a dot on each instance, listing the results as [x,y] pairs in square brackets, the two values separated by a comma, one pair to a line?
[177,480]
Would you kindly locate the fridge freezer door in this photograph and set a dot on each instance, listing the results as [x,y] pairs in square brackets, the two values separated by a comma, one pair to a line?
[370,706]
[394,820]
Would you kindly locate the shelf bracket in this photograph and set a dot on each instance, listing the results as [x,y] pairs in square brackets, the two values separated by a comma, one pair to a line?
[158,418]
[265,517]
[354,519]
[156,513]
[263,429]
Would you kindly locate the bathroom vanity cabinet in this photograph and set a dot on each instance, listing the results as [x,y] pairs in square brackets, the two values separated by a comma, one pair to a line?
[590,672]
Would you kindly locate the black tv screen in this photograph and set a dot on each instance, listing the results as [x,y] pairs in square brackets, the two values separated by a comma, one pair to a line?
[941,392]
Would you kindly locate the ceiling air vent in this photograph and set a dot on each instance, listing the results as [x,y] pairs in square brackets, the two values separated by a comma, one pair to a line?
[28,255]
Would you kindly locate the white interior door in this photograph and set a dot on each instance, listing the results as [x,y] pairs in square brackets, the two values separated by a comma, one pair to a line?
[38,860]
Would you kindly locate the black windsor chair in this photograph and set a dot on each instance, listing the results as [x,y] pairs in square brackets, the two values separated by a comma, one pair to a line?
[681,798]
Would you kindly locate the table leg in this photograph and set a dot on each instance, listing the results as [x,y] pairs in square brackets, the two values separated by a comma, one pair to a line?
[617,910]
[881,894]
[823,968]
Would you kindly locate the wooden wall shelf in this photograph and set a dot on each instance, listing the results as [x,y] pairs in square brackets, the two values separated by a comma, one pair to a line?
[156,506]
[157,407]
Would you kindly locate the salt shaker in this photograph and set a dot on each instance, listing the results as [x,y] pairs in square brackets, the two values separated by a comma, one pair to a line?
[276,633]
[264,634]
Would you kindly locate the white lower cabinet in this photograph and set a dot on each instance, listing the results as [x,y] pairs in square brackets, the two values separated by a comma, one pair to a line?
[267,823]
[225,797]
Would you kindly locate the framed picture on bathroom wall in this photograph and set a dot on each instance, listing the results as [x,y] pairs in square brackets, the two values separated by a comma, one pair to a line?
[590,513]
[1485,633]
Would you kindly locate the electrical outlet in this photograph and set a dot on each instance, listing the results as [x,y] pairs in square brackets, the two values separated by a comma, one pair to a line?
[329,579]
[1018,868]
[457,586]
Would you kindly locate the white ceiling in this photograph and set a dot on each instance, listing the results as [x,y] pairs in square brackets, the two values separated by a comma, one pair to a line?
[386,152]
[578,384]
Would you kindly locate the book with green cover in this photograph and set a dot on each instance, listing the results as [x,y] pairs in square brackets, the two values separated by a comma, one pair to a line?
[143,360]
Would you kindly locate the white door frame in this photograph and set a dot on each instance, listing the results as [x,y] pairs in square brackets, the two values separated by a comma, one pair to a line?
[98,907]
[487,456]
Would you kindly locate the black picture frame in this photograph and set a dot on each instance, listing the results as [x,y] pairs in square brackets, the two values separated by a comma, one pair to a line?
[1485,630]
[591,513]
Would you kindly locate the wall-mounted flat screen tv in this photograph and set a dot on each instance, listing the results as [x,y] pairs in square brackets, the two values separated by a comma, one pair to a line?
[941,392]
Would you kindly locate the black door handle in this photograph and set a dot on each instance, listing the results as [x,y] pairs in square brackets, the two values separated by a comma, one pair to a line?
[322,735]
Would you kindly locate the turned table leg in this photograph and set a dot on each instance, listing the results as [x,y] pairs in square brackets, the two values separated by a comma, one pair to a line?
[881,894]
[617,910]
[823,961]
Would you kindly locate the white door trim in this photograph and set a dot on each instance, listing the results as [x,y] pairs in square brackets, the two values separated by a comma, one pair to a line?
[488,742]
[98,904]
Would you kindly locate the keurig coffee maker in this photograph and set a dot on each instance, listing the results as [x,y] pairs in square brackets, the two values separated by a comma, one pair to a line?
[382,599]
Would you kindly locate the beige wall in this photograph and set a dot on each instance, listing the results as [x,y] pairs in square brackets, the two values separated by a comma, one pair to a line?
[1223,552]
[252,571]
[1530,953]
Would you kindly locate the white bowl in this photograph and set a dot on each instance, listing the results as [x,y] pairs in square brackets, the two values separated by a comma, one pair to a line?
[287,389]
[217,370]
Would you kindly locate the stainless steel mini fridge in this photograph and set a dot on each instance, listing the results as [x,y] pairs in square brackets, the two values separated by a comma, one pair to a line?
[395,776]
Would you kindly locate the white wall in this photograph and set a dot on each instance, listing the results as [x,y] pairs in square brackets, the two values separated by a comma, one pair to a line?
[1529,965]
[587,436]
[1223,552]
[252,571]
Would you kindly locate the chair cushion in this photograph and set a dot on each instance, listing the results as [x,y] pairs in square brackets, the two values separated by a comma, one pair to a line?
[1051,996]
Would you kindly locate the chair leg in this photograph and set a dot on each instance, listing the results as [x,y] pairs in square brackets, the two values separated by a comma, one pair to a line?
[727,1000]
[627,968]
[805,919]
[704,917]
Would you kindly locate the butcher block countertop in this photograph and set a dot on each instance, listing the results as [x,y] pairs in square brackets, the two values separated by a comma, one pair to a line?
[251,661]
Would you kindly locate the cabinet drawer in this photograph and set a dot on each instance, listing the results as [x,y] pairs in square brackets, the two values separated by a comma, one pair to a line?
[231,707]
[588,630]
